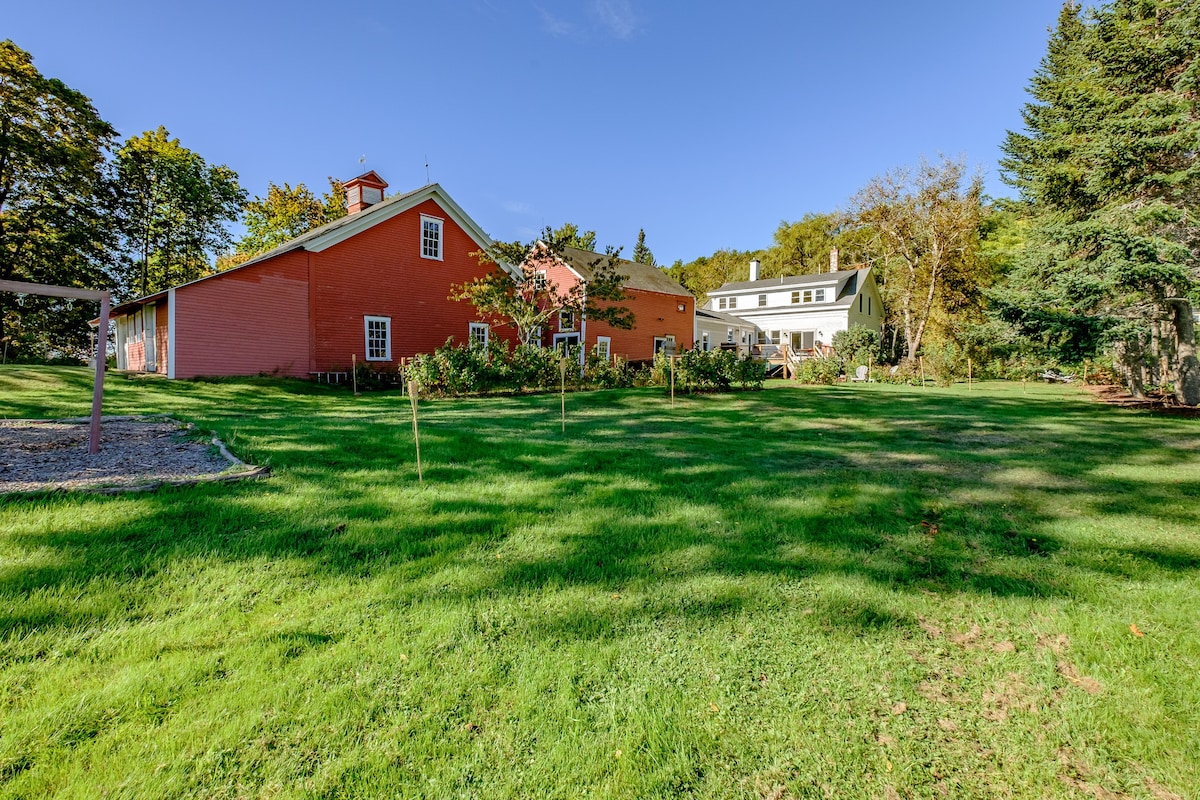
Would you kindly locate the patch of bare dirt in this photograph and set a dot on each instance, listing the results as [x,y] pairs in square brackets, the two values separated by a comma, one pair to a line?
[136,454]
[1157,402]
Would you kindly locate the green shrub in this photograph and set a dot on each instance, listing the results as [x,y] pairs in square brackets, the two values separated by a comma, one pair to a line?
[820,370]
[856,346]
[749,373]
[705,370]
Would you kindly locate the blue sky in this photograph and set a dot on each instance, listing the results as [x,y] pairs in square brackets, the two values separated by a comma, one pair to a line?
[705,123]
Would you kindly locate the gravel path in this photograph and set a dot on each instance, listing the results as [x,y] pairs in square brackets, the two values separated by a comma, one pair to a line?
[135,454]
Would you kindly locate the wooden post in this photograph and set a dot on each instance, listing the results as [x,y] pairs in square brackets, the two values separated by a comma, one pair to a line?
[968,373]
[1085,371]
[562,392]
[354,371]
[922,372]
[672,363]
[412,396]
[47,290]
[98,385]
[870,362]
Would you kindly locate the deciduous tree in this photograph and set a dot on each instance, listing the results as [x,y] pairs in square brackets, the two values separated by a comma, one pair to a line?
[528,299]
[175,208]
[286,213]
[923,225]
[54,202]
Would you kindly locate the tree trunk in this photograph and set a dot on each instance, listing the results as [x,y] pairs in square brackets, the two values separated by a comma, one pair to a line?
[1187,367]
[1128,364]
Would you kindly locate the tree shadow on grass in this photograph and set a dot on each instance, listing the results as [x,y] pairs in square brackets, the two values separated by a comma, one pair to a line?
[901,490]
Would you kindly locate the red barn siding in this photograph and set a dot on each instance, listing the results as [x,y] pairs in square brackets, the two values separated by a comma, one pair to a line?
[655,314]
[247,321]
[161,334]
[380,272]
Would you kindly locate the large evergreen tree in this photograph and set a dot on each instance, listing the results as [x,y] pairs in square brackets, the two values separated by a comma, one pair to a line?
[1107,165]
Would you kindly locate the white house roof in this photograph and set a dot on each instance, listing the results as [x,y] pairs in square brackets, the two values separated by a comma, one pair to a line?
[847,282]
[721,316]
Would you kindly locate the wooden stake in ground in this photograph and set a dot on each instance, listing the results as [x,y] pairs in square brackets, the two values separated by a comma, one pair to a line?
[922,372]
[412,396]
[354,371]
[968,373]
[870,361]
[672,380]
[562,392]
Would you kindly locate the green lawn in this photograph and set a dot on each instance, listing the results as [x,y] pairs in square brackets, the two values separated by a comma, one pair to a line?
[852,591]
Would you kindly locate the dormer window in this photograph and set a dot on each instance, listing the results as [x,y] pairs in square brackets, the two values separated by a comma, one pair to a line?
[762,300]
[733,302]
[431,237]
[722,304]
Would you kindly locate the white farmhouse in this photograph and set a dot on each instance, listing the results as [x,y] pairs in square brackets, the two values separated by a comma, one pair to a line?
[801,311]
[717,330]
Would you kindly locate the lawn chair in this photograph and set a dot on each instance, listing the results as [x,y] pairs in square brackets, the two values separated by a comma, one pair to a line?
[860,374]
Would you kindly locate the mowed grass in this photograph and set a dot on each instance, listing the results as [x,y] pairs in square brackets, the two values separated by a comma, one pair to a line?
[850,591]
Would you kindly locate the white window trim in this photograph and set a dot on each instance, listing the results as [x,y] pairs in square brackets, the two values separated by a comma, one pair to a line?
[387,340]
[478,326]
[539,280]
[441,240]
[573,327]
[604,343]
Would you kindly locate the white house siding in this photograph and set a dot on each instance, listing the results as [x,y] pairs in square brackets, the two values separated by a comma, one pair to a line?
[744,333]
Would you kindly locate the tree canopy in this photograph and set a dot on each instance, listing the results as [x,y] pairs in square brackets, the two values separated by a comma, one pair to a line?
[529,300]
[55,204]
[175,208]
[1107,168]
[284,214]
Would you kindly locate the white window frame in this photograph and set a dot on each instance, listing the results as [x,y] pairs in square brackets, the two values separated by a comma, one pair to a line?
[762,300]
[722,304]
[571,316]
[818,295]
[796,297]
[539,280]
[603,347]
[387,338]
[704,341]
[439,240]
[473,331]
[729,335]
[664,340]
[733,302]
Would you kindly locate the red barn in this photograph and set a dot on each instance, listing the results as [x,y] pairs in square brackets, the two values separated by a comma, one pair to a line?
[663,310]
[372,286]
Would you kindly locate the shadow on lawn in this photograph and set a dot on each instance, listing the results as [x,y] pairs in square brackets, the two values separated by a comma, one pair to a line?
[903,490]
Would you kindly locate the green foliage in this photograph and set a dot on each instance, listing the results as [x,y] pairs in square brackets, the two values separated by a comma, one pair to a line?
[1108,168]
[56,223]
[641,253]
[286,213]
[518,291]
[569,235]
[175,207]
[857,345]
[924,225]
[470,369]
[706,370]
[823,370]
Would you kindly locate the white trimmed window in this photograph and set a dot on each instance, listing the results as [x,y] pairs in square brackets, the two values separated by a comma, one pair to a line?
[762,300]
[722,304]
[566,320]
[733,302]
[704,345]
[478,334]
[795,297]
[539,280]
[662,343]
[729,335]
[431,237]
[819,295]
[603,347]
[378,332]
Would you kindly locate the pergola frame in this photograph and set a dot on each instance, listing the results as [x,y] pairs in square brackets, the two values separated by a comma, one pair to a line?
[105,299]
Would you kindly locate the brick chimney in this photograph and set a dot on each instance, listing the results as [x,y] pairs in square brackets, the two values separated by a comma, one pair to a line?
[833,260]
[364,191]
